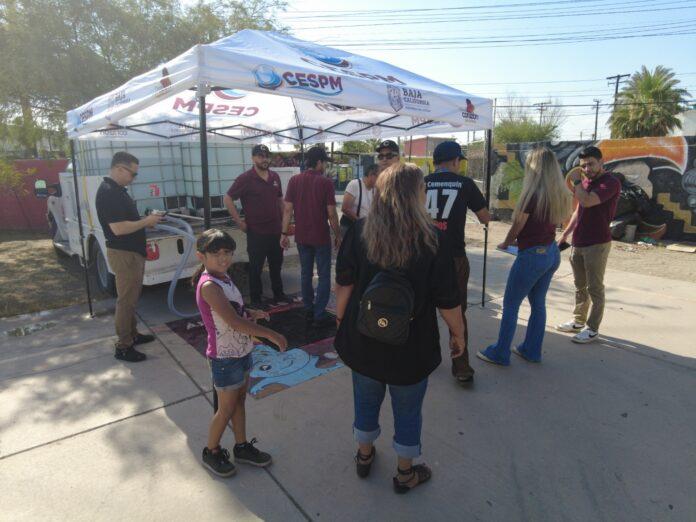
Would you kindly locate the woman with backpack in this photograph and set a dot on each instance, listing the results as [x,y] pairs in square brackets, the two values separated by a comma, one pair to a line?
[393,270]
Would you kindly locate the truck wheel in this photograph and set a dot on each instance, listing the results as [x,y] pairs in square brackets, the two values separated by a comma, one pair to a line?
[52,231]
[105,280]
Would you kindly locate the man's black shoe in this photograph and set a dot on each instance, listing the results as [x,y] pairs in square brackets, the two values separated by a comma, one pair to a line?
[218,462]
[282,299]
[129,354]
[143,339]
[324,322]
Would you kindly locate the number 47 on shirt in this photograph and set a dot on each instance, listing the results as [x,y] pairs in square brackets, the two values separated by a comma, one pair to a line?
[432,197]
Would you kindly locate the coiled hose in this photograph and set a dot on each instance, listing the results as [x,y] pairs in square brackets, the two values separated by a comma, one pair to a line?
[184,230]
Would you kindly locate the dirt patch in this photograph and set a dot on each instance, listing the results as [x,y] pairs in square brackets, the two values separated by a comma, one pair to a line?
[630,257]
[34,277]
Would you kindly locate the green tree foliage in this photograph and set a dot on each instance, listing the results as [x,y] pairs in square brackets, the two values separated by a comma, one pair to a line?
[517,123]
[359,147]
[58,54]
[648,105]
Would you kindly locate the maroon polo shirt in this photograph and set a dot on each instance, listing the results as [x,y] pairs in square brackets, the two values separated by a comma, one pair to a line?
[310,193]
[593,222]
[536,232]
[259,199]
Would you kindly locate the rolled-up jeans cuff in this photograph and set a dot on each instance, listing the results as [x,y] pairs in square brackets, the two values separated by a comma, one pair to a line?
[406,452]
[366,437]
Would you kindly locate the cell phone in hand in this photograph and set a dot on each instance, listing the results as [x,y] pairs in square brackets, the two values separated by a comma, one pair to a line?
[563,245]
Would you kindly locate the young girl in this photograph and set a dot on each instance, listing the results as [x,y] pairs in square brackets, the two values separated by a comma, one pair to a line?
[230,329]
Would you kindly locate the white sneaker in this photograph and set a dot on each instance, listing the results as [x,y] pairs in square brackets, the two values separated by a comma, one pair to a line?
[570,327]
[586,336]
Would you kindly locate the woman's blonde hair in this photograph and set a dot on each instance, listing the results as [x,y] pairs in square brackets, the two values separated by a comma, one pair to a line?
[544,183]
[398,228]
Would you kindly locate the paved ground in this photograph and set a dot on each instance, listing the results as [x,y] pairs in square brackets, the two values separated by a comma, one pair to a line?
[600,432]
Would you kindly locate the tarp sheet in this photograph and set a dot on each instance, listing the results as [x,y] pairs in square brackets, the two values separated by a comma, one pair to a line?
[274,88]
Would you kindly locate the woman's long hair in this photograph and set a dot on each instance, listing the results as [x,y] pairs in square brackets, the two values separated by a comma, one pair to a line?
[544,183]
[211,241]
[398,228]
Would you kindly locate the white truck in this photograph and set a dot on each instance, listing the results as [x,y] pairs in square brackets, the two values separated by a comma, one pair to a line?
[162,184]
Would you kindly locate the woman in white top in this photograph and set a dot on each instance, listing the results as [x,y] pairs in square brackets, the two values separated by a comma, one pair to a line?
[357,205]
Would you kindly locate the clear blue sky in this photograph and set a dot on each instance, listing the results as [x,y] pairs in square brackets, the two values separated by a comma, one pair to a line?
[498,71]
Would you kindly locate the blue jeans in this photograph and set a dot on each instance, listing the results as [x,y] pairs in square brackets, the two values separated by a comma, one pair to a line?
[407,404]
[530,276]
[322,254]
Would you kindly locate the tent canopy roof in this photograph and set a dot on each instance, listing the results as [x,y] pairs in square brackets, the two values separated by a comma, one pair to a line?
[274,88]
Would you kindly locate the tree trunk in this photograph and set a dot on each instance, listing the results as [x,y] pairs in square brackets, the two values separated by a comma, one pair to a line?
[27,137]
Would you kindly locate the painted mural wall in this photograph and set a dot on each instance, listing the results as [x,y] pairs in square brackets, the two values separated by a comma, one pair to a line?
[664,167]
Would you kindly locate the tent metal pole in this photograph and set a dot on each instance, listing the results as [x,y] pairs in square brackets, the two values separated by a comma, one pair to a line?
[203,132]
[79,226]
[488,163]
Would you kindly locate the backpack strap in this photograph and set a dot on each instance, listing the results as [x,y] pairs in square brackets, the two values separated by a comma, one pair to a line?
[359,198]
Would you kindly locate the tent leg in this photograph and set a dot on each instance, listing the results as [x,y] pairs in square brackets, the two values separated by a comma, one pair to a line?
[488,164]
[203,129]
[79,226]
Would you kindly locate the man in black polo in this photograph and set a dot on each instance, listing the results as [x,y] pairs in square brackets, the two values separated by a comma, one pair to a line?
[124,231]
[448,196]
[261,195]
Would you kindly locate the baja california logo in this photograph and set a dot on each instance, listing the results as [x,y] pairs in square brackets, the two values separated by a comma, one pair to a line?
[165,83]
[326,85]
[395,100]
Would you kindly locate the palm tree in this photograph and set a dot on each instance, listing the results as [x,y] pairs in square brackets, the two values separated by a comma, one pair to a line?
[648,105]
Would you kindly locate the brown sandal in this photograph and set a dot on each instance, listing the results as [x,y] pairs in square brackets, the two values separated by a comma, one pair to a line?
[422,473]
[363,463]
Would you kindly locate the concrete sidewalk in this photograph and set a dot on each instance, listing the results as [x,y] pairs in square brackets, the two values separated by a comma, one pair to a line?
[596,432]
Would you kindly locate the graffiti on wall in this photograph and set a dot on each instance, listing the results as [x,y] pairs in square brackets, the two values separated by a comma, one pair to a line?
[665,168]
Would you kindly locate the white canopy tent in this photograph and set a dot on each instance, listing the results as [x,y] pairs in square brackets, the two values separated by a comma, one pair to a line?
[267,87]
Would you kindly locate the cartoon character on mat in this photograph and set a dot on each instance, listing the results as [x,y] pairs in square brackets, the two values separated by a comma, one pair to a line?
[274,371]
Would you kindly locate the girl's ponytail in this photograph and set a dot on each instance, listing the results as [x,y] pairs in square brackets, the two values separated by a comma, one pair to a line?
[197,275]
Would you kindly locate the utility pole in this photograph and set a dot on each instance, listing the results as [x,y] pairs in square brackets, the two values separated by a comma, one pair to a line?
[542,107]
[617,80]
[596,117]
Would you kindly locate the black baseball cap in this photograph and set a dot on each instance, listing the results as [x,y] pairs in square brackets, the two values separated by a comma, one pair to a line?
[387,144]
[446,151]
[316,153]
[260,150]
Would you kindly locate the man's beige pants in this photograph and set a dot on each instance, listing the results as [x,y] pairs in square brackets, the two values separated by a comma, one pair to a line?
[589,264]
[128,268]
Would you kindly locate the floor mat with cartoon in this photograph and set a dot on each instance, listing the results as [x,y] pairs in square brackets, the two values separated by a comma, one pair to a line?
[310,350]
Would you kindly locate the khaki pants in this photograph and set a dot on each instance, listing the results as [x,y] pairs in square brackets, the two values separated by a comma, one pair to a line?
[461,266]
[589,264]
[129,269]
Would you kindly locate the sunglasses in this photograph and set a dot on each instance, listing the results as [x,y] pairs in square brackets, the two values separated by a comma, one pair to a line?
[387,156]
[262,155]
[133,173]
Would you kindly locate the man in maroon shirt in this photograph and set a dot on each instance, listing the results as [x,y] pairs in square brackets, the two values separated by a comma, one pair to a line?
[310,196]
[597,195]
[261,195]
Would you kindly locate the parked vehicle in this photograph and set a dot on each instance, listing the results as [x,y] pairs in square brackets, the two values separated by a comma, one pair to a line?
[165,182]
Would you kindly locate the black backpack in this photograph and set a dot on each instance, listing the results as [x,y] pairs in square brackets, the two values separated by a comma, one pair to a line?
[387,308]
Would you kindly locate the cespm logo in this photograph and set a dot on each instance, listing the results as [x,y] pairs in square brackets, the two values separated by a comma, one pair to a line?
[267,78]
[230,94]
[325,58]
[323,84]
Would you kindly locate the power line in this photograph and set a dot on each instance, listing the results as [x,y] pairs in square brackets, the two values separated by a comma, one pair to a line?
[522,15]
